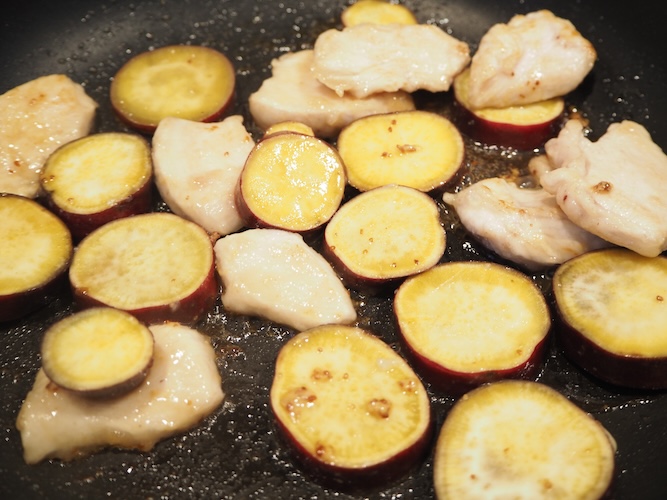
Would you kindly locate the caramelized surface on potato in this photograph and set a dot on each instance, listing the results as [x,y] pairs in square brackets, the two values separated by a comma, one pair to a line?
[351,406]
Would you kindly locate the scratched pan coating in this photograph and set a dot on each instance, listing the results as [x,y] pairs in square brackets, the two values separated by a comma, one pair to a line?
[236,452]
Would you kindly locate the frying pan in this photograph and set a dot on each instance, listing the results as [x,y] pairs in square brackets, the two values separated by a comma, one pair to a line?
[236,452]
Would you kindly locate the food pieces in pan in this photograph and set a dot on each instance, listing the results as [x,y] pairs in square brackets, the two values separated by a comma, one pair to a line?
[186,81]
[418,149]
[98,178]
[292,93]
[291,181]
[182,387]
[376,11]
[512,92]
[35,119]
[523,225]
[532,58]
[468,323]
[98,352]
[613,187]
[157,266]
[274,274]
[381,236]
[523,127]
[613,320]
[369,58]
[352,409]
[197,167]
[35,252]
[521,439]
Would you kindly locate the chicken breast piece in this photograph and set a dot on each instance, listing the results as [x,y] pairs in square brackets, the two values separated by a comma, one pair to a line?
[293,93]
[534,57]
[368,58]
[197,166]
[525,226]
[274,274]
[35,119]
[613,187]
[538,166]
[182,387]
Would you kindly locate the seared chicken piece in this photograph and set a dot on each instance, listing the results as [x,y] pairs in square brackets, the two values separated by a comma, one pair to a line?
[182,387]
[369,58]
[525,226]
[274,274]
[197,166]
[35,119]
[293,93]
[614,187]
[534,57]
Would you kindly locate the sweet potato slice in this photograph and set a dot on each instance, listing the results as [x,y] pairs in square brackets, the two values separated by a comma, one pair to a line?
[289,126]
[377,11]
[99,178]
[35,252]
[290,181]
[521,439]
[384,235]
[418,149]
[468,323]
[100,352]
[613,316]
[158,266]
[185,81]
[353,409]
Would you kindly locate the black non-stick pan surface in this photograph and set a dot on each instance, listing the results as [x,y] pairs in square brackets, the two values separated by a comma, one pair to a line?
[236,452]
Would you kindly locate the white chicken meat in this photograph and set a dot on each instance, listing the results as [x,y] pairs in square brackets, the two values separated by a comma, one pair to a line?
[274,274]
[525,226]
[36,118]
[197,166]
[183,387]
[292,93]
[613,187]
[368,58]
[532,58]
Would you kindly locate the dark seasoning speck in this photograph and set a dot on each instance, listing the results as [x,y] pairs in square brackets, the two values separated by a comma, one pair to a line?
[236,453]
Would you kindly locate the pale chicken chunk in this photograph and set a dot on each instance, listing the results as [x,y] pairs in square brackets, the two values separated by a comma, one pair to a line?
[525,226]
[292,93]
[182,388]
[35,119]
[613,187]
[197,166]
[538,166]
[368,58]
[532,58]
[274,274]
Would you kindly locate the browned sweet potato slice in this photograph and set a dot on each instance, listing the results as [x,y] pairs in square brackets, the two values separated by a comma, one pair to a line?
[418,149]
[383,235]
[353,409]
